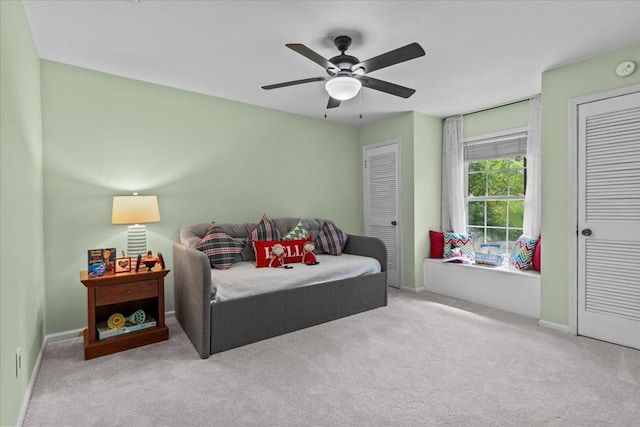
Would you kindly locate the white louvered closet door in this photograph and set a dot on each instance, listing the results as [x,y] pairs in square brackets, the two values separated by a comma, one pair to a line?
[382,204]
[609,220]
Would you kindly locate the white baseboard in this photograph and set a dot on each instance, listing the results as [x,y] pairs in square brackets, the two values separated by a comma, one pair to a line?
[413,290]
[59,336]
[32,383]
[556,326]
[62,336]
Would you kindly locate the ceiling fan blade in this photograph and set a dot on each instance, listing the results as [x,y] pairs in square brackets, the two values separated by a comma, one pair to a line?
[333,103]
[402,54]
[387,87]
[294,82]
[315,57]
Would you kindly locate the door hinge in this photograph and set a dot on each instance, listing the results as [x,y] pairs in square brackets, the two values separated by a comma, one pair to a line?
[365,164]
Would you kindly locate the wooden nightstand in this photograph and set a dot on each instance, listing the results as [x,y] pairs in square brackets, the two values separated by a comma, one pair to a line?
[123,293]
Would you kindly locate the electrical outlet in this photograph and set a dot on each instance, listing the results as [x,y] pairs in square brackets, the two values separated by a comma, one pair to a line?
[18,362]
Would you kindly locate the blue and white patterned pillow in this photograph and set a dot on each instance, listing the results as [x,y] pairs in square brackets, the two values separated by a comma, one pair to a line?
[221,248]
[522,253]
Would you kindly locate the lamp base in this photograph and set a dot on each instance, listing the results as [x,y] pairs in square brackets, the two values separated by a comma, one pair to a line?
[136,240]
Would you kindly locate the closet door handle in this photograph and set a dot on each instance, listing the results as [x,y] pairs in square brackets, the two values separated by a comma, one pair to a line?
[586,232]
[394,222]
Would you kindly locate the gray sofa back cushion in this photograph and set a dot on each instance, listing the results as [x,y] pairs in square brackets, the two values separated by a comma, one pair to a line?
[190,235]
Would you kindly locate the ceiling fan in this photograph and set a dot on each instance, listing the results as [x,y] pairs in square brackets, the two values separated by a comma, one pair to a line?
[347,74]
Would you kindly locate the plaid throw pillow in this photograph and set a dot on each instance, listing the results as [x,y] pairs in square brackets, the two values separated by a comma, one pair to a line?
[264,231]
[331,239]
[221,249]
[297,233]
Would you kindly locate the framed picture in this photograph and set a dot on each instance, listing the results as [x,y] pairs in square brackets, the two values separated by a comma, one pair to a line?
[101,261]
[123,265]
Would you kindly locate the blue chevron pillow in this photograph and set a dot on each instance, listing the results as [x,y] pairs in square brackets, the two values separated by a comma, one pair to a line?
[458,240]
[522,253]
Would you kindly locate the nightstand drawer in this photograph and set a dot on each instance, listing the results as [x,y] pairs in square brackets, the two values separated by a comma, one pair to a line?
[126,292]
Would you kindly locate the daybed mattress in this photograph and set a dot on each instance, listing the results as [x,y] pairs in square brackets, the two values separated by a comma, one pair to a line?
[243,279]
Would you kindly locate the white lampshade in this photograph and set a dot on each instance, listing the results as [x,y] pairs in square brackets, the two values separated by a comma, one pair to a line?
[135,211]
[343,87]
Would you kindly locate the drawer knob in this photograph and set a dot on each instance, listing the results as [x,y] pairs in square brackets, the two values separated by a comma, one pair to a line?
[128,291]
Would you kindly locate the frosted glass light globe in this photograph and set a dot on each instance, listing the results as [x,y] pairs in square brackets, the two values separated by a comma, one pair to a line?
[343,87]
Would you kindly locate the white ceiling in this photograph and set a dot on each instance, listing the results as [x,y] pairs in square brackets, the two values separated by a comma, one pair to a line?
[478,53]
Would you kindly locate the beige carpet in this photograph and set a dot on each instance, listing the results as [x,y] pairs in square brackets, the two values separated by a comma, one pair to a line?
[424,360]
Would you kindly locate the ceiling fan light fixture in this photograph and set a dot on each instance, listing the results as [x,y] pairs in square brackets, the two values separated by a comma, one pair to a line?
[343,87]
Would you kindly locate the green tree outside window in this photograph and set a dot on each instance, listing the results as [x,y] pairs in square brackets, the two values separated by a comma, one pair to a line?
[495,200]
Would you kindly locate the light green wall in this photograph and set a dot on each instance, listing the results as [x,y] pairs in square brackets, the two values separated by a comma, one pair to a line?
[427,186]
[205,158]
[22,290]
[420,138]
[400,128]
[496,119]
[558,87]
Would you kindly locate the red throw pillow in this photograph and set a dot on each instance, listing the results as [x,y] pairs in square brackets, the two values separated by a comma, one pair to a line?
[536,256]
[437,244]
[292,250]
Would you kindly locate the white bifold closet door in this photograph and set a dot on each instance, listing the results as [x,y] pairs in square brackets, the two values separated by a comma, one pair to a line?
[382,203]
[609,220]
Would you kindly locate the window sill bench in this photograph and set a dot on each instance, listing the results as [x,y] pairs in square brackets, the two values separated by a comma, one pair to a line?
[499,287]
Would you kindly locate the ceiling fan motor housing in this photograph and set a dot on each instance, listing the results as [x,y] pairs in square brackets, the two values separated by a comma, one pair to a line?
[343,61]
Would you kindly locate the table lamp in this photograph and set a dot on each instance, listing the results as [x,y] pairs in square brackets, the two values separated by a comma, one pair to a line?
[135,211]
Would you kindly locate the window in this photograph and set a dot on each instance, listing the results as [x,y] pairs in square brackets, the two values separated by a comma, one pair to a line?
[495,187]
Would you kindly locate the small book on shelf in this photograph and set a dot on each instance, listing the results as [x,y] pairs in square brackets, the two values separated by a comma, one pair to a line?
[105,332]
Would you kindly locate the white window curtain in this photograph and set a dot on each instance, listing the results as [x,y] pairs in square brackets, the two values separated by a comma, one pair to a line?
[454,215]
[532,199]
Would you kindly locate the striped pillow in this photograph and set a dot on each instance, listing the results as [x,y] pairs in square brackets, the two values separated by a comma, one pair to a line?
[221,249]
[459,240]
[331,239]
[522,253]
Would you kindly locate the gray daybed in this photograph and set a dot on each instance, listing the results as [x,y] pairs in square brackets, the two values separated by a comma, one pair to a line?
[214,326]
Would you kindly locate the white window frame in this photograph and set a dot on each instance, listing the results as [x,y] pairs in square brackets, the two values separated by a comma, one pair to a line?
[496,138]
